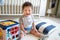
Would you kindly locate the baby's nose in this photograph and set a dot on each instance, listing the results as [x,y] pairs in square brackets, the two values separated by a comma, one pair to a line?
[28,12]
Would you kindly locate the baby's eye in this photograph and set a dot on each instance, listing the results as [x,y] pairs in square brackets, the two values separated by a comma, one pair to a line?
[25,10]
[28,10]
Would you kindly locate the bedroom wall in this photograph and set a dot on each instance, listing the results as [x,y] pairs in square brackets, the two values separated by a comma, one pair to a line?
[48,1]
[58,10]
[53,12]
[54,9]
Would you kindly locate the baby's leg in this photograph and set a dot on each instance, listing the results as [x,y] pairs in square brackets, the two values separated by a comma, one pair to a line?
[36,33]
[21,34]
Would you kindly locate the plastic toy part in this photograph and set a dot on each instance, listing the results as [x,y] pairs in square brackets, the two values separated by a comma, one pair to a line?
[6,23]
[1,34]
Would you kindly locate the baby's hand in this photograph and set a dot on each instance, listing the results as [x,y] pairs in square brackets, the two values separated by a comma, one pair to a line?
[25,32]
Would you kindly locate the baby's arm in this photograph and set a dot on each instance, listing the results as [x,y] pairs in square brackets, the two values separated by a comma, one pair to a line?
[33,26]
[22,28]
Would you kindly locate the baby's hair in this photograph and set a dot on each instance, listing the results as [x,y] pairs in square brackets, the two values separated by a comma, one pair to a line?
[27,4]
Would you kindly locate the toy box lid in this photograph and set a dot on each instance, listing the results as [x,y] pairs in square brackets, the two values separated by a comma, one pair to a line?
[7,23]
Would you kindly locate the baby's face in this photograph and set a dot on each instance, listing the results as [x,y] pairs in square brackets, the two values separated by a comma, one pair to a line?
[27,11]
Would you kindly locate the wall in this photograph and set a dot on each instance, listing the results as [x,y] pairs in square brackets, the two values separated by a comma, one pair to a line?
[53,10]
[58,9]
[48,2]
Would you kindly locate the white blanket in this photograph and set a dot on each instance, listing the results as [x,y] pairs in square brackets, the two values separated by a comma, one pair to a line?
[55,35]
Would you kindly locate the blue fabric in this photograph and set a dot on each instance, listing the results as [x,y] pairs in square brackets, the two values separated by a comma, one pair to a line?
[48,28]
[39,25]
[28,29]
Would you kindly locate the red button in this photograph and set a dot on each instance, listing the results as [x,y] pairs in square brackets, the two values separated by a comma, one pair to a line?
[13,37]
[17,35]
[12,32]
[15,31]
[12,29]
[16,27]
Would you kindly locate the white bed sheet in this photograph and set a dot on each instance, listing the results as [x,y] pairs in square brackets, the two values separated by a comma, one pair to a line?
[55,35]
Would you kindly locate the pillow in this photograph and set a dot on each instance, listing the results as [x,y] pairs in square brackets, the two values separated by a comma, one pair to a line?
[45,27]
[48,28]
[39,25]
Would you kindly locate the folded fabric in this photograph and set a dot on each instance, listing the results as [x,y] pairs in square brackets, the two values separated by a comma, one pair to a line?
[28,29]
[45,27]
[39,25]
[48,28]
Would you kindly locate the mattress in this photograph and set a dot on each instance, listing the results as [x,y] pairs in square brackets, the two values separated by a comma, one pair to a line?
[55,35]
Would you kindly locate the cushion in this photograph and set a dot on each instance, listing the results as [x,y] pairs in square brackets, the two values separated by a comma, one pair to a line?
[39,25]
[48,28]
[45,27]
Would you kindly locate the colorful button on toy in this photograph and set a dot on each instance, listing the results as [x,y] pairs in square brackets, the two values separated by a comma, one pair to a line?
[8,30]
[13,37]
[15,31]
[17,35]
[12,29]
[12,32]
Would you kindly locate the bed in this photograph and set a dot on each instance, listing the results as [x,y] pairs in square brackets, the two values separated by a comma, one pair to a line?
[54,34]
